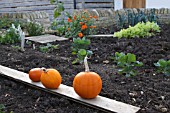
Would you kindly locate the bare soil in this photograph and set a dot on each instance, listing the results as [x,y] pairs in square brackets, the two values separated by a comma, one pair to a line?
[148,90]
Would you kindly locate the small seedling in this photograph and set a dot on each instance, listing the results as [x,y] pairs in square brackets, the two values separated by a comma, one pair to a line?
[127,63]
[80,48]
[48,48]
[17,47]
[163,66]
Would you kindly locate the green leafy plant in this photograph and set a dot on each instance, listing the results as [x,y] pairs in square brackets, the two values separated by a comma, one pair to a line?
[76,26]
[121,21]
[163,66]
[11,36]
[16,47]
[2,107]
[133,19]
[139,30]
[48,48]
[59,7]
[80,25]
[59,27]
[5,23]
[127,63]
[34,29]
[80,48]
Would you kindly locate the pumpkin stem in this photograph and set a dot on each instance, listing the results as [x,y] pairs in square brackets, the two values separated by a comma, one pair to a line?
[44,69]
[86,64]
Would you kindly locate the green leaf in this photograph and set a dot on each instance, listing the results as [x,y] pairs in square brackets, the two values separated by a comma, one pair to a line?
[52,1]
[74,53]
[162,63]
[131,58]
[56,13]
[82,52]
[137,63]
[75,61]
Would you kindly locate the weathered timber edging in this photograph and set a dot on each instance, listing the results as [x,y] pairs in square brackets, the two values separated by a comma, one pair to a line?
[99,102]
[102,35]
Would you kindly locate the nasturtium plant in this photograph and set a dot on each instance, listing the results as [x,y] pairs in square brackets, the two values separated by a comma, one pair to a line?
[163,66]
[127,63]
[140,30]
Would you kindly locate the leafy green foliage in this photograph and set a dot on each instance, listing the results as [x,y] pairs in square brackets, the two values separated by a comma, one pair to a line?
[80,48]
[163,66]
[131,19]
[34,29]
[16,47]
[11,36]
[59,27]
[122,21]
[48,48]
[5,23]
[139,30]
[59,7]
[2,107]
[82,23]
[127,63]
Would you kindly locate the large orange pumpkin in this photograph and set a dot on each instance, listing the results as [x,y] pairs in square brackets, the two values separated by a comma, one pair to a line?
[51,78]
[35,74]
[87,84]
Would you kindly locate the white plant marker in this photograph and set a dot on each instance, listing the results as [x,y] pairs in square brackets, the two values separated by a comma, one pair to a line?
[22,41]
[22,36]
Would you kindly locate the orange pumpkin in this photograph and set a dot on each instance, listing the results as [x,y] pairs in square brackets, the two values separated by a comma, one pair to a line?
[87,84]
[35,74]
[51,78]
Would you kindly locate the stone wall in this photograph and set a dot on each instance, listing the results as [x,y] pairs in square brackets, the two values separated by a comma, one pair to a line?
[106,17]
[37,16]
[16,6]
[110,17]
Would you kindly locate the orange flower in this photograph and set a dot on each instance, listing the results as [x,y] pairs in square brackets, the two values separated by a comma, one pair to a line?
[94,26]
[80,35]
[84,27]
[69,20]
[75,17]
[95,17]
[81,23]
[91,26]
[68,29]
[91,17]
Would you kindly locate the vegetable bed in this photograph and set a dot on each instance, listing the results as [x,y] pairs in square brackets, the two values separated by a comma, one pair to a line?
[148,89]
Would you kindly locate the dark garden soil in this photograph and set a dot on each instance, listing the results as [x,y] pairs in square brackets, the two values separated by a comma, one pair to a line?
[148,90]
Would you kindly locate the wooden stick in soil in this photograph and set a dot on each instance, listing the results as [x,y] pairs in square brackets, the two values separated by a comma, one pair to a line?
[86,64]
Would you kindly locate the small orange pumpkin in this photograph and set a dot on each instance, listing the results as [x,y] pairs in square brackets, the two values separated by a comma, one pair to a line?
[87,84]
[51,78]
[35,74]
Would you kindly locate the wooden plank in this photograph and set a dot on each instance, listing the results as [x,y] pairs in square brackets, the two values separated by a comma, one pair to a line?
[100,102]
[45,38]
[134,3]
[91,1]
[102,35]
[103,5]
